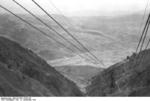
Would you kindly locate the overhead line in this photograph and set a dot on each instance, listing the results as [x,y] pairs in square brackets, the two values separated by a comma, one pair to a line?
[34,27]
[48,26]
[145,30]
[59,11]
[147,44]
[68,32]
[62,27]
[141,26]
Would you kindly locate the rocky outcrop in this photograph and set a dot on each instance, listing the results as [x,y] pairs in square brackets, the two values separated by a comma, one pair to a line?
[23,73]
[128,78]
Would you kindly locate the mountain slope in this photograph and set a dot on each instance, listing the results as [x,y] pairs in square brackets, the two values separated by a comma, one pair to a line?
[23,73]
[127,78]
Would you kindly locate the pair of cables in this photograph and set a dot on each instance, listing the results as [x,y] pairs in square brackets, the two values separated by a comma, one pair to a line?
[46,34]
[144,32]
[69,33]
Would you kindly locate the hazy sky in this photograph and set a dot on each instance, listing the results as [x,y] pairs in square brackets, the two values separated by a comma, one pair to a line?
[81,7]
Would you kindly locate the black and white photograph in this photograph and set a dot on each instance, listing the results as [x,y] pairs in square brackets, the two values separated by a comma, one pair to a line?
[74,48]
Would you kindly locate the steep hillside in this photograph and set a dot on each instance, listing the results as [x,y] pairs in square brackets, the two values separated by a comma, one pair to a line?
[23,73]
[127,78]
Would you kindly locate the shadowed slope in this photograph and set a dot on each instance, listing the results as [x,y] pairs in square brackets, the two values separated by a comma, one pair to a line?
[123,79]
[26,74]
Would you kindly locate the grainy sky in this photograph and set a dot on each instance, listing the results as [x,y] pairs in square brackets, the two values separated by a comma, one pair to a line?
[81,7]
